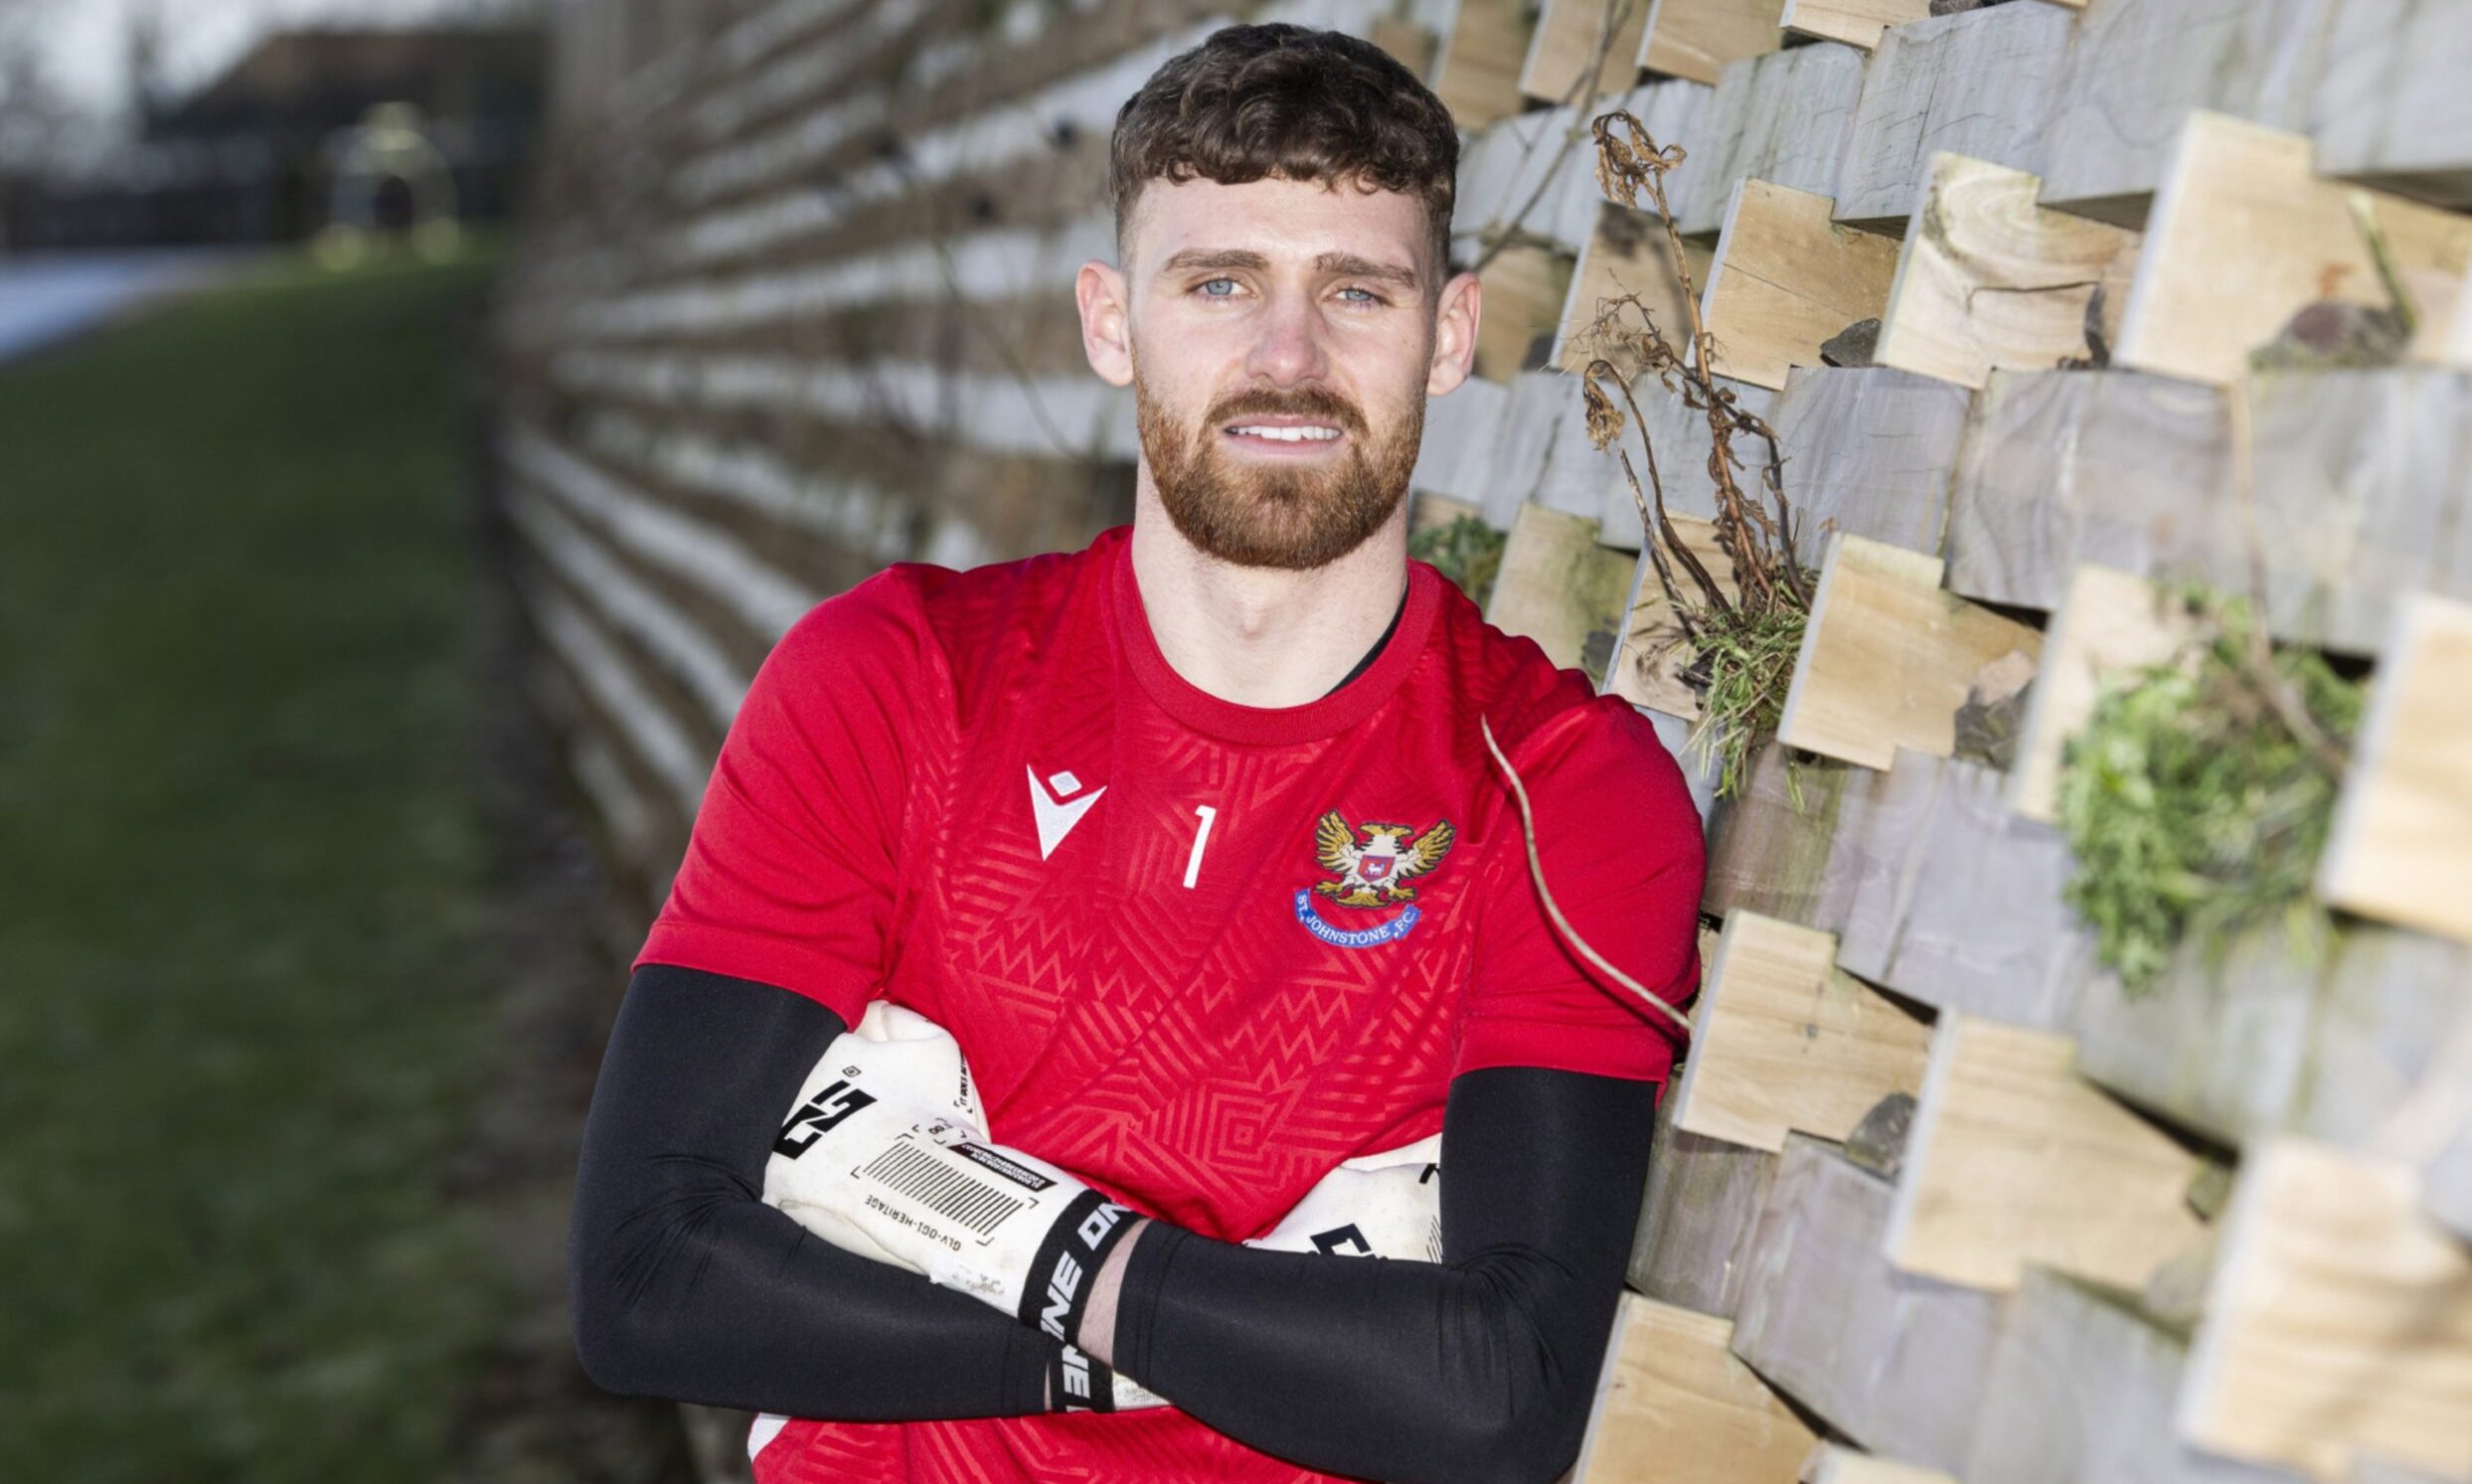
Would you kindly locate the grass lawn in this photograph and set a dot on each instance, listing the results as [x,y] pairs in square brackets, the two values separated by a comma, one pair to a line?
[244,981]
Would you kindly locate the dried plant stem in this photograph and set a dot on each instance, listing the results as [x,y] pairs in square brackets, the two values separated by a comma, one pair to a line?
[1536,873]
[1664,524]
[1741,643]
[1626,169]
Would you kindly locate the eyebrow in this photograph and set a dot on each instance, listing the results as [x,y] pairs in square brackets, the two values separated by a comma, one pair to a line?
[1346,264]
[1213,257]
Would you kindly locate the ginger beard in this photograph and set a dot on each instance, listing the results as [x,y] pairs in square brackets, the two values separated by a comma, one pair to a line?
[1293,515]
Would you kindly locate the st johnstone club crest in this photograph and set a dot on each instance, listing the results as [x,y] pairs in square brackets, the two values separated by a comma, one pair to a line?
[1375,864]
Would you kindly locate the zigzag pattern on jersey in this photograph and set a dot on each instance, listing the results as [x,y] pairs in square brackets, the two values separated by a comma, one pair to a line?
[1019,627]
[1054,1449]
[1225,1017]
[1192,1050]
[1196,1051]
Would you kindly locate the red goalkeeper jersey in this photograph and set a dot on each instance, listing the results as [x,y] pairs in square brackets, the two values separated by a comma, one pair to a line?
[1197,952]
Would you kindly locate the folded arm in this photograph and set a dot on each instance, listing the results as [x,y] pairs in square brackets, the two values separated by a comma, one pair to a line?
[1480,1368]
[685,1285]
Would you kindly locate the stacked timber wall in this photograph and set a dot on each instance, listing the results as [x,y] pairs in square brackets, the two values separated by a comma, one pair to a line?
[796,304]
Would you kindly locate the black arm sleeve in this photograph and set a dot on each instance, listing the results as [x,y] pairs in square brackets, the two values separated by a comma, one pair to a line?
[685,1285]
[1480,1368]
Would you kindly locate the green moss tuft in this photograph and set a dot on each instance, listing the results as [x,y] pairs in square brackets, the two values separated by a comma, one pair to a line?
[2193,806]
[1466,551]
[1748,659]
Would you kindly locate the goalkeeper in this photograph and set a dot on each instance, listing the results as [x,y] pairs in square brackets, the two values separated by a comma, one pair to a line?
[1188,847]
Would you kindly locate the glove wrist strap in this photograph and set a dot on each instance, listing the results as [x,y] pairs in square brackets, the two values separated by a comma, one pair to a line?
[1065,1267]
[1079,1383]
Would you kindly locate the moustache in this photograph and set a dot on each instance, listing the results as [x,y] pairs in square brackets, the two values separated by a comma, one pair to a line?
[1303,402]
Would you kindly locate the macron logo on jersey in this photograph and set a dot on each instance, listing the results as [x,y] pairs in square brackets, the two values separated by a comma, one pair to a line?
[1056,817]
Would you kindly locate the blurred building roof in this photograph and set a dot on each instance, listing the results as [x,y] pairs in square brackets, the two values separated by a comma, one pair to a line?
[310,82]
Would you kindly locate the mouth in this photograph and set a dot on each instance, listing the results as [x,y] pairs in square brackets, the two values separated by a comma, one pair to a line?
[1284,437]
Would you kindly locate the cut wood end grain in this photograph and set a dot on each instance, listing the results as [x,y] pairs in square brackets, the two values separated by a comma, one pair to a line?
[1888,655]
[2015,1159]
[1675,1406]
[1784,1041]
[2339,1322]
[1987,279]
[1786,279]
[2400,847]
[1694,39]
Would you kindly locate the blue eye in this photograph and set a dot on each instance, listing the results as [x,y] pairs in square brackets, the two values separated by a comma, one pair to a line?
[1371,298]
[1207,284]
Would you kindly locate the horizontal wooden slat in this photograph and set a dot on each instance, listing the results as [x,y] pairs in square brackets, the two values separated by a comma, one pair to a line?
[1819,1294]
[1943,894]
[2138,67]
[1696,1217]
[696,660]
[2082,1386]
[649,730]
[1979,83]
[1783,119]
[1052,416]
[1869,451]
[2390,103]
[768,600]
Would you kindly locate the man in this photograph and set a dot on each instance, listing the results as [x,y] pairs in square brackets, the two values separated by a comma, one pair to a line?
[1191,840]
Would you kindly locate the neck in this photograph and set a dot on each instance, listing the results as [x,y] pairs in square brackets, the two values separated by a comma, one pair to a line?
[1257,636]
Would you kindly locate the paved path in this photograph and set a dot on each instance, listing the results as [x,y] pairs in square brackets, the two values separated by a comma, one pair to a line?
[50,296]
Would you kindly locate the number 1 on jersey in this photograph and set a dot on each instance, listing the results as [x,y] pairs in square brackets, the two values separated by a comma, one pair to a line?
[1201,838]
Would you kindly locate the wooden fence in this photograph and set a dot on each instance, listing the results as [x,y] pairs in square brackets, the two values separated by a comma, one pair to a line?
[796,304]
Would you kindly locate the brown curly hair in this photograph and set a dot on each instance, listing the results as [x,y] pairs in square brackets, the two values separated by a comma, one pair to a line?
[1290,101]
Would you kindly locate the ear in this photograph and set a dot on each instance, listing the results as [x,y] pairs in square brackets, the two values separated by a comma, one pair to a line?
[1454,334]
[1107,323]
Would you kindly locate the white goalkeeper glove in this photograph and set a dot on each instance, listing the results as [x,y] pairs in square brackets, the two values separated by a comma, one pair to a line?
[895,1067]
[1386,1205]
[886,1154]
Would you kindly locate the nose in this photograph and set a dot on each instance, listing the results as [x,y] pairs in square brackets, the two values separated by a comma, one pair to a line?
[1287,350]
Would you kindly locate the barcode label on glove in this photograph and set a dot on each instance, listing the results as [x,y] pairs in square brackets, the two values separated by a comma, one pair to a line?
[955,1195]
[1028,1178]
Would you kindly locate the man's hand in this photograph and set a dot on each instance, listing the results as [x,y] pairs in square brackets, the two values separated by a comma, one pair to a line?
[873,1084]
[886,1154]
[1386,1205]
